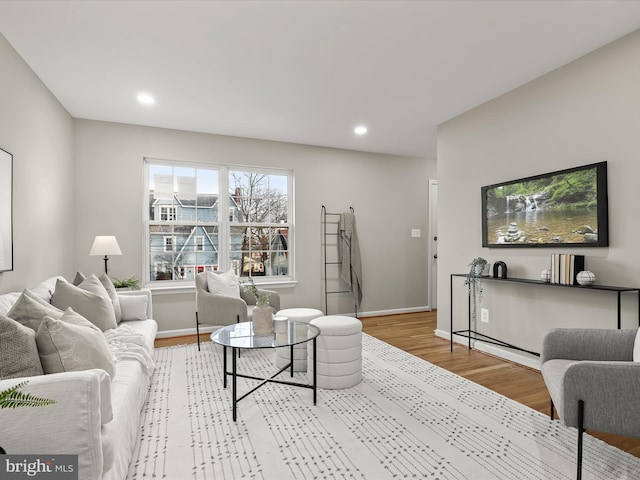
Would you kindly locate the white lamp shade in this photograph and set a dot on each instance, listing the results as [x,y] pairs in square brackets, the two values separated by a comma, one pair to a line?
[105,245]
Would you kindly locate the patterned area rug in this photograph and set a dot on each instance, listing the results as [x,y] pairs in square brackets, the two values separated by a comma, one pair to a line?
[407,419]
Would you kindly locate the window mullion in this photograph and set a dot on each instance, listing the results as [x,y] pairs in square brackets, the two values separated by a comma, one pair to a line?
[223,219]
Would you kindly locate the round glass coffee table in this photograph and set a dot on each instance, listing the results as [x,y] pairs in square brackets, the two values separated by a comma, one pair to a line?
[240,336]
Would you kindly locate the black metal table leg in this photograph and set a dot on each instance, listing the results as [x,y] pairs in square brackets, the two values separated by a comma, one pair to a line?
[234,391]
[315,387]
[224,366]
[451,315]
[291,358]
[619,305]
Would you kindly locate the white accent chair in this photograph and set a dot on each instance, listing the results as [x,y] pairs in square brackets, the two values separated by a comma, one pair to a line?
[220,310]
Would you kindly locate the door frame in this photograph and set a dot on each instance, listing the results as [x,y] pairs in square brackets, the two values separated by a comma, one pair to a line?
[432,222]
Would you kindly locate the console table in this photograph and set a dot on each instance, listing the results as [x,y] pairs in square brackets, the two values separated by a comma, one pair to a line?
[474,335]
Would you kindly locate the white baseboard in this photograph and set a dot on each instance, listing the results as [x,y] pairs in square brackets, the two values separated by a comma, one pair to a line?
[208,329]
[396,311]
[511,355]
[184,331]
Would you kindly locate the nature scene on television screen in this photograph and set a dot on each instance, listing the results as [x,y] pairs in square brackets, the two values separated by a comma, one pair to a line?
[560,208]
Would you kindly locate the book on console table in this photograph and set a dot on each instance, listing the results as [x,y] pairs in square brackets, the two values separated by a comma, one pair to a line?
[565,268]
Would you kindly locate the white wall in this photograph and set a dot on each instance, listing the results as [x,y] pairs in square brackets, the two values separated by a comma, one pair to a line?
[388,193]
[74,179]
[585,112]
[39,133]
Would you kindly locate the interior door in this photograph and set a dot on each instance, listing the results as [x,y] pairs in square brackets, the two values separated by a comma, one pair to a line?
[432,296]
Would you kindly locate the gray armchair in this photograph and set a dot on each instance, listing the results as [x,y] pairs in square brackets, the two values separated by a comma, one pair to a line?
[592,380]
[212,309]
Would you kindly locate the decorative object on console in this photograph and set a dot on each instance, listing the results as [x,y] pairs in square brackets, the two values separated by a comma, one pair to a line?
[566,207]
[476,267]
[586,278]
[474,281]
[499,270]
[545,275]
[105,245]
[565,268]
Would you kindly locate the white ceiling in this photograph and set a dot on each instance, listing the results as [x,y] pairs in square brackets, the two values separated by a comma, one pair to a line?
[303,71]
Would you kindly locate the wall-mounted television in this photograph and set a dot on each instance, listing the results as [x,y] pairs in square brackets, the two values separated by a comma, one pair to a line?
[564,208]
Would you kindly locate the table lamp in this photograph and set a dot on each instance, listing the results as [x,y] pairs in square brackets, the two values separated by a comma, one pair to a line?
[105,245]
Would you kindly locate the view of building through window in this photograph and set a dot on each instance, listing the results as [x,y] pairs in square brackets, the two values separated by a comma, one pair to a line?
[187,235]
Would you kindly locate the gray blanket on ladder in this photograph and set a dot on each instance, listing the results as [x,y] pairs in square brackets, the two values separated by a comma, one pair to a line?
[349,250]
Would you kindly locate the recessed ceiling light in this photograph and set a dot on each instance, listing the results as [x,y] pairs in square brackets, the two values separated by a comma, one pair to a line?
[146,99]
[360,130]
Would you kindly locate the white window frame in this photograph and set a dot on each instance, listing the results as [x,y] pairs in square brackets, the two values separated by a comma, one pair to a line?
[224,223]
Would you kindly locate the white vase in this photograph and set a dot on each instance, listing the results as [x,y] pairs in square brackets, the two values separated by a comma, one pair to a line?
[545,275]
[586,278]
[262,321]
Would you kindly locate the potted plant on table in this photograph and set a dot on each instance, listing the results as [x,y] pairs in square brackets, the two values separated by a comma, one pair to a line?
[262,312]
[474,282]
[131,283]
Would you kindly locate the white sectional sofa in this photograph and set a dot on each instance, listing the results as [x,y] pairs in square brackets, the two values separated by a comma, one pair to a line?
[96,414]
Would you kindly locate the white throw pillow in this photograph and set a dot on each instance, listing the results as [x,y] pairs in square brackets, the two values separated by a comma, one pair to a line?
[72,343]
[636,347]
[225,284]
[89,299]
[29,310]
[134,307]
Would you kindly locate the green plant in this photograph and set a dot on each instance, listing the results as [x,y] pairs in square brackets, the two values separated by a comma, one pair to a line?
[262,299]
[131,282]
[474,281]
[13,398]
[475,271]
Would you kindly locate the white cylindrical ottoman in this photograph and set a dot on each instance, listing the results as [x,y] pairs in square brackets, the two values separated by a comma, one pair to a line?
[299,351]
[338,352]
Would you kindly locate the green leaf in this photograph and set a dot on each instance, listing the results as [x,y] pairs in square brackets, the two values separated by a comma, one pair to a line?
[14,398]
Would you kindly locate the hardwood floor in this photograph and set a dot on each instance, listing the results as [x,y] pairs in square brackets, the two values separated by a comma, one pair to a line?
[414,333]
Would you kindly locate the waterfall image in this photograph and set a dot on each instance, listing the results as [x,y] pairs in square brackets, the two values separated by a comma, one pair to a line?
[545,210]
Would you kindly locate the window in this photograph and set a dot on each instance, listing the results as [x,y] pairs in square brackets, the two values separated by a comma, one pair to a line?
[189,233]
[168,244]
[199,245]
[167,213]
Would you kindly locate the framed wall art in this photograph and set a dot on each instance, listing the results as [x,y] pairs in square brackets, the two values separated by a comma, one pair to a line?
[6,211]
[564,208]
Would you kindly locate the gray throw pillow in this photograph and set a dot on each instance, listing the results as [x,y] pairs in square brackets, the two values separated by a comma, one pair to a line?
[113,295]
[18,350]
[73,343]
[79,278]
[89,299]
[30,309]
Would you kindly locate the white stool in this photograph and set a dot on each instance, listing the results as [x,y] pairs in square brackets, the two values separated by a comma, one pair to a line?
[338,352]
[299,351]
